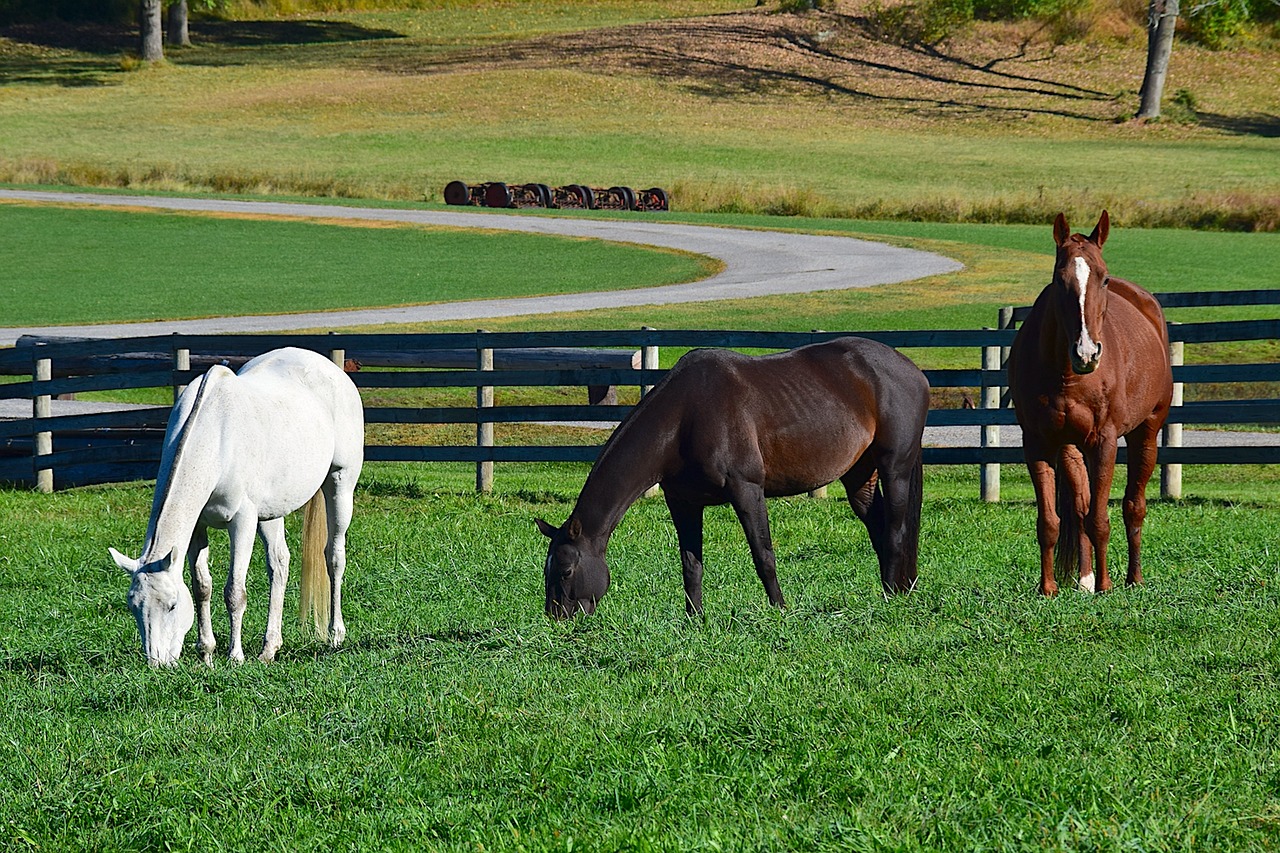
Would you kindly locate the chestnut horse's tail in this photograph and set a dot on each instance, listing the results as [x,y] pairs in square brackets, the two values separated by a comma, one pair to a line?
[1066,553]
[313,585]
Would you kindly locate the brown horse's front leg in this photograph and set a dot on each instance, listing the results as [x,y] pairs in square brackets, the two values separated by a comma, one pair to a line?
[687,518]
[748,502]
[1044,483]
[1098,521]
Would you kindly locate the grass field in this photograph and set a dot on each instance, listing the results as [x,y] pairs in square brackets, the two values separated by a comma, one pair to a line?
[969,715]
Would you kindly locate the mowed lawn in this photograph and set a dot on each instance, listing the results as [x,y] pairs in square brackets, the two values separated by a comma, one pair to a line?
[971,714]
[68,266]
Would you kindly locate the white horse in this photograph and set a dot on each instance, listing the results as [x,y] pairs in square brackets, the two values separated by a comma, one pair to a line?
[241,451]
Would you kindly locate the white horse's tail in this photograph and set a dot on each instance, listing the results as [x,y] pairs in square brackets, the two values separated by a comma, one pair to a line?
[313,586]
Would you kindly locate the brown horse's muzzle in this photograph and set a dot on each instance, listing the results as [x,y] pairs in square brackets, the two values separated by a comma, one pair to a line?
[567,609]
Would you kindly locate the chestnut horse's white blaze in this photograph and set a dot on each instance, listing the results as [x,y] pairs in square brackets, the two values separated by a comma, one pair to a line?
[1086,348]
[241,451]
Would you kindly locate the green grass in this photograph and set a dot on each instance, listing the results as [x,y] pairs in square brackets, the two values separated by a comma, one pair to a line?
[87,266]
[115,266]
[971,714]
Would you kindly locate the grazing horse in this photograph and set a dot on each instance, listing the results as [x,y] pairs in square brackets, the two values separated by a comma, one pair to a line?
[722,427]
[242,451]
[1089,364]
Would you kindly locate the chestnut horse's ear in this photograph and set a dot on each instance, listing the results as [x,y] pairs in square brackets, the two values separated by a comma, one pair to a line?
[548,530]
[1061,231]
[1100,231]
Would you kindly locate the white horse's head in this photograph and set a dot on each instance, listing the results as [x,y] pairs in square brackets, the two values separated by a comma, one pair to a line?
[161,605]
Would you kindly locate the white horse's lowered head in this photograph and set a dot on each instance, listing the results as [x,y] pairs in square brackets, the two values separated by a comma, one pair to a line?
[242,451]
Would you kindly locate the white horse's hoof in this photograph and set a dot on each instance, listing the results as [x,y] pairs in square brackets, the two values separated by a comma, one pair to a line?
[1086,583]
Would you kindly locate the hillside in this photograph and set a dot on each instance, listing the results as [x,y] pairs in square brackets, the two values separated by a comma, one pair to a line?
[745,109]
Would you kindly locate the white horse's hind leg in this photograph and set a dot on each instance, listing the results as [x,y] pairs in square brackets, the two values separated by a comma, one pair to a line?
[241,531]
[202,590]
[339,504]
[272,533]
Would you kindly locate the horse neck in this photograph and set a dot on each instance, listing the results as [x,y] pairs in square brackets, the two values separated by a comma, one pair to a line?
[185,480]
[631,461]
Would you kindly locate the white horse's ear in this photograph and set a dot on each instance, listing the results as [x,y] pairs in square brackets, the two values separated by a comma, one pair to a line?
[129,565]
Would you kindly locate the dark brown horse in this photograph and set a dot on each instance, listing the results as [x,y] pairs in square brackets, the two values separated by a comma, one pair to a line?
[728,428]
[1090,364]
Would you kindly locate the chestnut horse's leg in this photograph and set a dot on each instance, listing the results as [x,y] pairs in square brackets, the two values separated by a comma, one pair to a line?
[1044,482]
[687,517]
[1098,521]
[748,502]
[1075,556]
[1142,463]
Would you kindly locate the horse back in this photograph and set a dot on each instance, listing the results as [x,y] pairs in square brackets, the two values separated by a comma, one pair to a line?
[1146,304]
[802,417]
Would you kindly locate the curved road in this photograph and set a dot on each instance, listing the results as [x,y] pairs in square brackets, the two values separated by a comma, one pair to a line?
[756,263]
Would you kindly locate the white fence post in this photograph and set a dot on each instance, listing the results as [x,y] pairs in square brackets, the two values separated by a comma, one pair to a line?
[1171,472]
[42,407]
[181,361]
[990,471]
[648,361]
[484,430]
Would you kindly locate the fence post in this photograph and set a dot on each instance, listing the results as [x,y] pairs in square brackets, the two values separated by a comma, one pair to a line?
[648,361]
[484,430]
[1171,472]
[990,471]
[42,407]
[181,362]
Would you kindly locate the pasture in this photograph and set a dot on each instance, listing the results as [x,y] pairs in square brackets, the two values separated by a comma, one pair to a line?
[970,714]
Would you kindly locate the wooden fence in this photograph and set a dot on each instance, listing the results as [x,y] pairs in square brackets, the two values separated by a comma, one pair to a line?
[48,449]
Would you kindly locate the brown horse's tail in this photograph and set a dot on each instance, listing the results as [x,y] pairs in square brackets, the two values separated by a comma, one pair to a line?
[313,586]
[911,540]
[1066,553]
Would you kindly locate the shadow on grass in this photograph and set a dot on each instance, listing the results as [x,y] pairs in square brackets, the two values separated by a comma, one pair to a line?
[1258,124]
[87,54]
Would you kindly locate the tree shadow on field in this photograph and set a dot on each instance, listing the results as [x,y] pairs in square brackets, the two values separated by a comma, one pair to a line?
[268,33]
[89,54]
[1258,124]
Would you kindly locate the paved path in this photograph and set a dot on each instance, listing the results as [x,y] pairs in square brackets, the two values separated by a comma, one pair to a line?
[756,263]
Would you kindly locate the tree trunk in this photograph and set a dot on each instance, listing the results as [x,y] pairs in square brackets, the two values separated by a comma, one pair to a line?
[178,34]
[149,20]
[1162,19]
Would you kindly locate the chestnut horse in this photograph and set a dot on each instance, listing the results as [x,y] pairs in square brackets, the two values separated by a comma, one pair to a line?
[1089,364]
[722,427]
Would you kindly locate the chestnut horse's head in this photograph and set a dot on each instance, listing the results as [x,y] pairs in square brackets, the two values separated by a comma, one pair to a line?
[576,574]
[1080,291]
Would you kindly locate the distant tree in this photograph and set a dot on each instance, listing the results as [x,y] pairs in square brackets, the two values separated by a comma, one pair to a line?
[152,33]
[1162,19]
[178,32]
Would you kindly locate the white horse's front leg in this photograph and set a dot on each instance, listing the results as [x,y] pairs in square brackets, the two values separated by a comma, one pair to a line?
[202,590]
[241,531]
[272,533]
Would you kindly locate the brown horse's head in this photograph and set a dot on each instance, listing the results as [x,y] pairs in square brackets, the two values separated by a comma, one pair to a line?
[1080,291]
[576,574]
